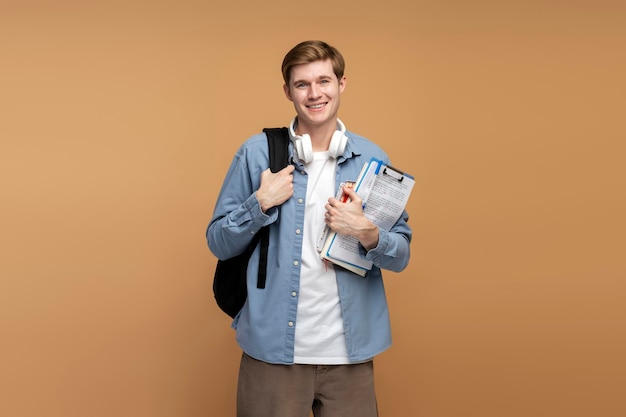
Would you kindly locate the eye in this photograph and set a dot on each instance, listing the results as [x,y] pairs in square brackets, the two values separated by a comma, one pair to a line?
[300,85]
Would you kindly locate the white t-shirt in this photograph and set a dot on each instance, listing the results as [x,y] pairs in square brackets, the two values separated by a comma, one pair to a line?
[320,336]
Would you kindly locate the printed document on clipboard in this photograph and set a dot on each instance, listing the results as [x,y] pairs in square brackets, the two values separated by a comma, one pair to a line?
[385,191]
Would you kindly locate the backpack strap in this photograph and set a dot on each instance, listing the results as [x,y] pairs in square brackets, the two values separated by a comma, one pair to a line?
[278,144]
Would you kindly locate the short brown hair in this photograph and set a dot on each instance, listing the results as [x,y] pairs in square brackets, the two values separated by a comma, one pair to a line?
[311,51]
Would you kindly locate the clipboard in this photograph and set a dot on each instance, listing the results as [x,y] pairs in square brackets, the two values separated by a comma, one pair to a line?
[396,173]
[385,190]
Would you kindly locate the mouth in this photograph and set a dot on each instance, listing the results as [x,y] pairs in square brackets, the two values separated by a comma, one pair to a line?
[317,106]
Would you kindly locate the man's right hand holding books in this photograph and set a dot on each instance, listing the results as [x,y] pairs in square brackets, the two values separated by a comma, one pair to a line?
[345,217]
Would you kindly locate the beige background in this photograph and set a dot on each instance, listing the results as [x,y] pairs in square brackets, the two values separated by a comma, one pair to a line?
[118,120]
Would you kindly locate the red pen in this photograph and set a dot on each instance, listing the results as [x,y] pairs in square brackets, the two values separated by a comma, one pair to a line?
[344,197]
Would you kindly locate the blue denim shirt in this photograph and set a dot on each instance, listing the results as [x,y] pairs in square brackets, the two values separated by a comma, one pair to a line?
[266,325]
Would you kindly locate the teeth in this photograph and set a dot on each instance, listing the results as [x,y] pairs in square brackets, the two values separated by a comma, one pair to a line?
[317,106]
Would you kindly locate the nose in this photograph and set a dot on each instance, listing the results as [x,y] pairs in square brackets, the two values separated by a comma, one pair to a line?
[314,91]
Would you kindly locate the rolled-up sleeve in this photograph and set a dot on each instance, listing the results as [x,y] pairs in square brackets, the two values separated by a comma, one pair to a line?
[393,250]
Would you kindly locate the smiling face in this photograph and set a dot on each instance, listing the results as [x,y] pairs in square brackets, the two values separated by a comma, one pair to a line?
[315,90]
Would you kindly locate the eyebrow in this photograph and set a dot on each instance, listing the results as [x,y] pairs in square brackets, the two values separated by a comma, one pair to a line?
[321,77]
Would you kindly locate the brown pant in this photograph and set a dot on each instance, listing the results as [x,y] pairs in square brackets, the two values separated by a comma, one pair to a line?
[267,390]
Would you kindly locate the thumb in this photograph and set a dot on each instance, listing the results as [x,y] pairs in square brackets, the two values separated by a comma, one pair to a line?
[349,191]
[288,169]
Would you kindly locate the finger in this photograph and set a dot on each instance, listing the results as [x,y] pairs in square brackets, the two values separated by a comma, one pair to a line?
[288,169]
[349,191]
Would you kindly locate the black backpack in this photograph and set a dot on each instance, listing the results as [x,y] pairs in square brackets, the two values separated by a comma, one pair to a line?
[229,281]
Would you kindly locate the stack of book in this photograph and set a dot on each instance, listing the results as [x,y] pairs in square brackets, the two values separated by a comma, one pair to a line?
[385,192]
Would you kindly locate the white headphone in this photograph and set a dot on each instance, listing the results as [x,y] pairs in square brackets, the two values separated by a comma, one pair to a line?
[304,148]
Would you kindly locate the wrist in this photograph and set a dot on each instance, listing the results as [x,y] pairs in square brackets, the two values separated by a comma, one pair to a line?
[369,237]
[262,203]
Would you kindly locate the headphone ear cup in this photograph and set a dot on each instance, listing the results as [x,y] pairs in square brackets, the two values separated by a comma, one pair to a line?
[337,144]
[304,148]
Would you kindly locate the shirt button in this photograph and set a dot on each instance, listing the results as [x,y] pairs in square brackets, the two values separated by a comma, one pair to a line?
[293,293]
[295,263]
[290,324]
[300,200]
[298,231]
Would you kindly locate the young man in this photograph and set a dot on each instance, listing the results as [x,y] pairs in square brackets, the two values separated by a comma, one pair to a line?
[310,336]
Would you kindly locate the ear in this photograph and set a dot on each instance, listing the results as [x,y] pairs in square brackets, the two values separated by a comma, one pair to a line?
[342,84]
[287,92]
